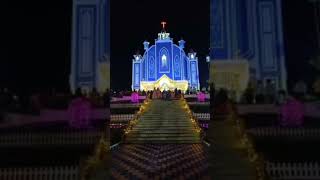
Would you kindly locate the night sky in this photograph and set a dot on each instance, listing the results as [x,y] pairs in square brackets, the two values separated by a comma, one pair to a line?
[36,42]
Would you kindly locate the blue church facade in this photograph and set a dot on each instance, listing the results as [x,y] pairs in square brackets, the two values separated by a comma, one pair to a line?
[165,65]
[90,63]
[251,30]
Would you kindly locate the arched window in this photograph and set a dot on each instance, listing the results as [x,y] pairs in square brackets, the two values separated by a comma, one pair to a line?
[177,66]
[151,67]
[164,63]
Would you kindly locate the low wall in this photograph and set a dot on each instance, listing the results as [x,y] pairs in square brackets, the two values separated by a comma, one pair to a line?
[47,115]
[126,98]
[311,109]
[43,173]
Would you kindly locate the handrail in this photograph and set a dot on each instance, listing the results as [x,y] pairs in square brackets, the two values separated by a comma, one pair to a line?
[115,145]
[247,140]
[135,118]
[193,119]
[206,143]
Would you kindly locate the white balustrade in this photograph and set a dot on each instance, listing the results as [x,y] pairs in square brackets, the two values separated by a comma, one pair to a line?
[131,105]
[199,103]
[288,132]
[125,98]
[47,115]
[121,117]
[196,96]
[28,138]
[41,173]
[297,171]
[202,116]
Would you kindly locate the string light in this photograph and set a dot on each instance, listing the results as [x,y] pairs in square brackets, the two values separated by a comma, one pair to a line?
[247,141]
[134,120]
[194,121]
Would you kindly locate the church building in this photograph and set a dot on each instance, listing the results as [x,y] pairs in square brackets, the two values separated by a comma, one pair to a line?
[165,65]
[247,31]
[90,51]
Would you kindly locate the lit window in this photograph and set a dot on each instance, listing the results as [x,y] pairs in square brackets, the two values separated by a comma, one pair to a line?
[164,60]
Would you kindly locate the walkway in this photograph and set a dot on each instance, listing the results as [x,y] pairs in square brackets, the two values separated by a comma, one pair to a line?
[228,158]
[164,144]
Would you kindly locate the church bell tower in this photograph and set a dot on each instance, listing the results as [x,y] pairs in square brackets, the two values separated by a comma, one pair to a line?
[90,52]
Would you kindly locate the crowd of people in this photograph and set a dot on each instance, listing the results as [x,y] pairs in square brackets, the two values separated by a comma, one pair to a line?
[166,94]
[122,93]
[259,93]
[256,93]
[267,93]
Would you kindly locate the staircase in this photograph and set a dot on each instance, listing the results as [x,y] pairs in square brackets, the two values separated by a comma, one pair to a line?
[164,122]
[164,144]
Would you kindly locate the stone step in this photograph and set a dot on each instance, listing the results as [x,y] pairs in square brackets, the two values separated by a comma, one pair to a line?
[157,128]
[161,138]
[163,142]
[163,131]
[165,115]
[161,125]
[131,135]
[164,121]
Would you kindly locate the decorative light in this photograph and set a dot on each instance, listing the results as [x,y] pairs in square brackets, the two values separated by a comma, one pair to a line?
[292,113]
[135,97]
[208,59]
[79,111]
[201,97]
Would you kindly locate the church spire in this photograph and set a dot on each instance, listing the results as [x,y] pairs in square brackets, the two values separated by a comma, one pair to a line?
[163,35]
[163,23]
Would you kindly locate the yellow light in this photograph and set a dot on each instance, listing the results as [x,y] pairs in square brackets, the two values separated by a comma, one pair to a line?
[171,84]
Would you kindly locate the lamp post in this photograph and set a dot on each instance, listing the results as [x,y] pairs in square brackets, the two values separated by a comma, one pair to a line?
[208,62]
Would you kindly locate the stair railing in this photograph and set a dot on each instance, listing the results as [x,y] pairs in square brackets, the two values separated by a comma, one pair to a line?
[135,118]
[256,158]
[193,119]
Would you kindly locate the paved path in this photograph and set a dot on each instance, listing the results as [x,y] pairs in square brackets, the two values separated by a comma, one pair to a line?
[228,159]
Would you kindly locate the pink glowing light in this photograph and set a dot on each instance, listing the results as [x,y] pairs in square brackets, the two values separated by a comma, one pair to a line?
[292,113]
[201,97]
[79,113]
[135,97]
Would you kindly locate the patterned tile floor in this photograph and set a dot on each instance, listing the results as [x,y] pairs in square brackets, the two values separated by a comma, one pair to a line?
[159,161]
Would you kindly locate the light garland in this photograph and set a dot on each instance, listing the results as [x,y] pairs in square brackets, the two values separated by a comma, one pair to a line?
[253,156]
[193,119]
[247,142]
[134,121]
[99,159]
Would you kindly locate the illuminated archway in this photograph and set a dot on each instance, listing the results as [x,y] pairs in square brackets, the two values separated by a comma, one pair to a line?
[164,83]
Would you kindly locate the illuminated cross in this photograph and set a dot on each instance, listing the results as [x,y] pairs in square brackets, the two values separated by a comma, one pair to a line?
[163,24]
